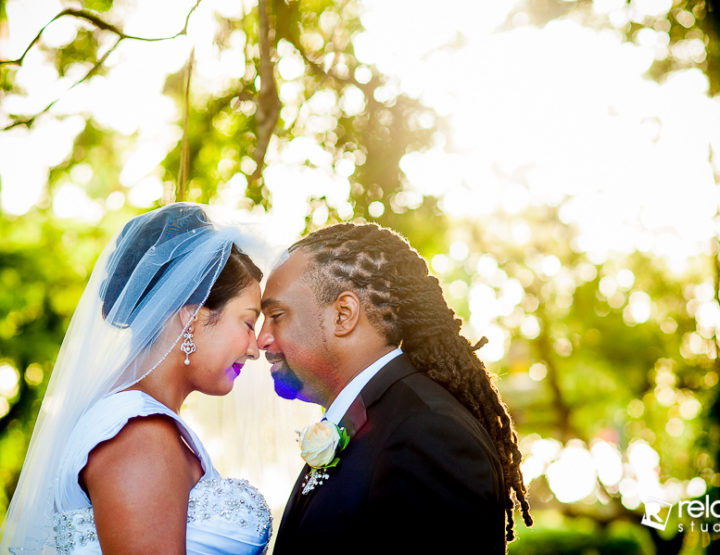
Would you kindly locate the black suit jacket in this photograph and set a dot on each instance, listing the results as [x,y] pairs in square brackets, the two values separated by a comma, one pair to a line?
[420,475]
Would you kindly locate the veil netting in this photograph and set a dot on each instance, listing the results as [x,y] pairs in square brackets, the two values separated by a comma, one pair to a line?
[123,328]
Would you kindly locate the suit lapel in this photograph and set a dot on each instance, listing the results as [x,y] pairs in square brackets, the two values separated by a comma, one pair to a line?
[295,495]
[355,417]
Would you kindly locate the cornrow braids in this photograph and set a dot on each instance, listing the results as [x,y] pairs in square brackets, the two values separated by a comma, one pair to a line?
[406,304]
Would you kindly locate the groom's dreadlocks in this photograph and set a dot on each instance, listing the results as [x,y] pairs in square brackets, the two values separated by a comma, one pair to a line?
[407,305]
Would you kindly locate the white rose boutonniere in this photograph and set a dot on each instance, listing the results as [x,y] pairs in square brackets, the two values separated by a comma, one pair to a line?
[319,445]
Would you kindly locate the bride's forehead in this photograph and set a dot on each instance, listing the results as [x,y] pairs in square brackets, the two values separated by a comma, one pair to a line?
[247,297]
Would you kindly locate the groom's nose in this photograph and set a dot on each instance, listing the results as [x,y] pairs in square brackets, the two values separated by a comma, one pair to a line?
[252,350]
[265,338]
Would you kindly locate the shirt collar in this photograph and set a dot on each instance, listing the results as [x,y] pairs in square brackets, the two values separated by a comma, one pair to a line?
[340,405]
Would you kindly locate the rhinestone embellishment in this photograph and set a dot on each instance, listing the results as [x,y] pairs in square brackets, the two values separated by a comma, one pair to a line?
[233,500]
[74,528]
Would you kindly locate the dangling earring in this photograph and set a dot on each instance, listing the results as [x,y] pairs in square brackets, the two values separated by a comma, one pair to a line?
[188,347]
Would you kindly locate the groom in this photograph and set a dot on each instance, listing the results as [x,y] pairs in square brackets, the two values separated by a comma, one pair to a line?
[432,456]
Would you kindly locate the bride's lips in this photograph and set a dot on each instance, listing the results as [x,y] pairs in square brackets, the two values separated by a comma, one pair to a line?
[237,367]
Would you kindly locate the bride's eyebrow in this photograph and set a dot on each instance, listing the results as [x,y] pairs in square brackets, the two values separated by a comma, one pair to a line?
[253,309]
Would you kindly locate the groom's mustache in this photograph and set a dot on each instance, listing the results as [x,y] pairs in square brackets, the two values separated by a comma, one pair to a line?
[273,358]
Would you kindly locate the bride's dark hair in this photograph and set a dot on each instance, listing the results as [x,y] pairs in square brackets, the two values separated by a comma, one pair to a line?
[176,219]
[239,271]
[406,304]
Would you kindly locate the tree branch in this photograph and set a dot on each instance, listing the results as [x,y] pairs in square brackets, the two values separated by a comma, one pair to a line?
[317,67]
[100,24]
[560,405]
[268,103]
[184,171]
[715,260]
[30,120]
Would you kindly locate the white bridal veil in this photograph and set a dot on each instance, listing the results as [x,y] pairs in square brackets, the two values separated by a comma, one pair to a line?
[122,328]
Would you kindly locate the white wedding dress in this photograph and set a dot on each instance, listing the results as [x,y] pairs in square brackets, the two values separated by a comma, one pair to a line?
[224,515]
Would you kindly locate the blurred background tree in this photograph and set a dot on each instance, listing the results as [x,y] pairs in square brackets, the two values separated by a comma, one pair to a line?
[606,357]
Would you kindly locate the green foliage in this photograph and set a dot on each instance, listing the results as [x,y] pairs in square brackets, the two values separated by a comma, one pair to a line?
[7,77]
[81,50]
[344,439]
[98,5]
[571,542]
[554,534]
[44,264]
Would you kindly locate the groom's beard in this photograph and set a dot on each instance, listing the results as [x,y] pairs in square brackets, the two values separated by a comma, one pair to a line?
[287,384]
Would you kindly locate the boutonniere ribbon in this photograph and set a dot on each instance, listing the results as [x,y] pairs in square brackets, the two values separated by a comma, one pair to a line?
[320,444]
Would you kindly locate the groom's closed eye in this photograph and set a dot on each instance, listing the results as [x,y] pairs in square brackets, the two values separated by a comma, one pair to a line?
[271,309]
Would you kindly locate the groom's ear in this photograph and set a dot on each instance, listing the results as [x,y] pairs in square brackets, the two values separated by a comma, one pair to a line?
[347,313]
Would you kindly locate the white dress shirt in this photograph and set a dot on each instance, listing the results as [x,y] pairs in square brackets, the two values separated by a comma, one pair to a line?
[342,402]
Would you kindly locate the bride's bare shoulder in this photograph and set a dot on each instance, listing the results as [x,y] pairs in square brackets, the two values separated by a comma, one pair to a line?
[138,483]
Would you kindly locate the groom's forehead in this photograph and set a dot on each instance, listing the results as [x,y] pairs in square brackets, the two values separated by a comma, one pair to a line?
[280,260]
[287,274]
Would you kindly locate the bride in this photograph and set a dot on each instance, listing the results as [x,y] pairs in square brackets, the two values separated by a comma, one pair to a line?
[170,308]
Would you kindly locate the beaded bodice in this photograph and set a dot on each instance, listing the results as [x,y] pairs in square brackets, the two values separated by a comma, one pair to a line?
[235,502]
[225,515]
